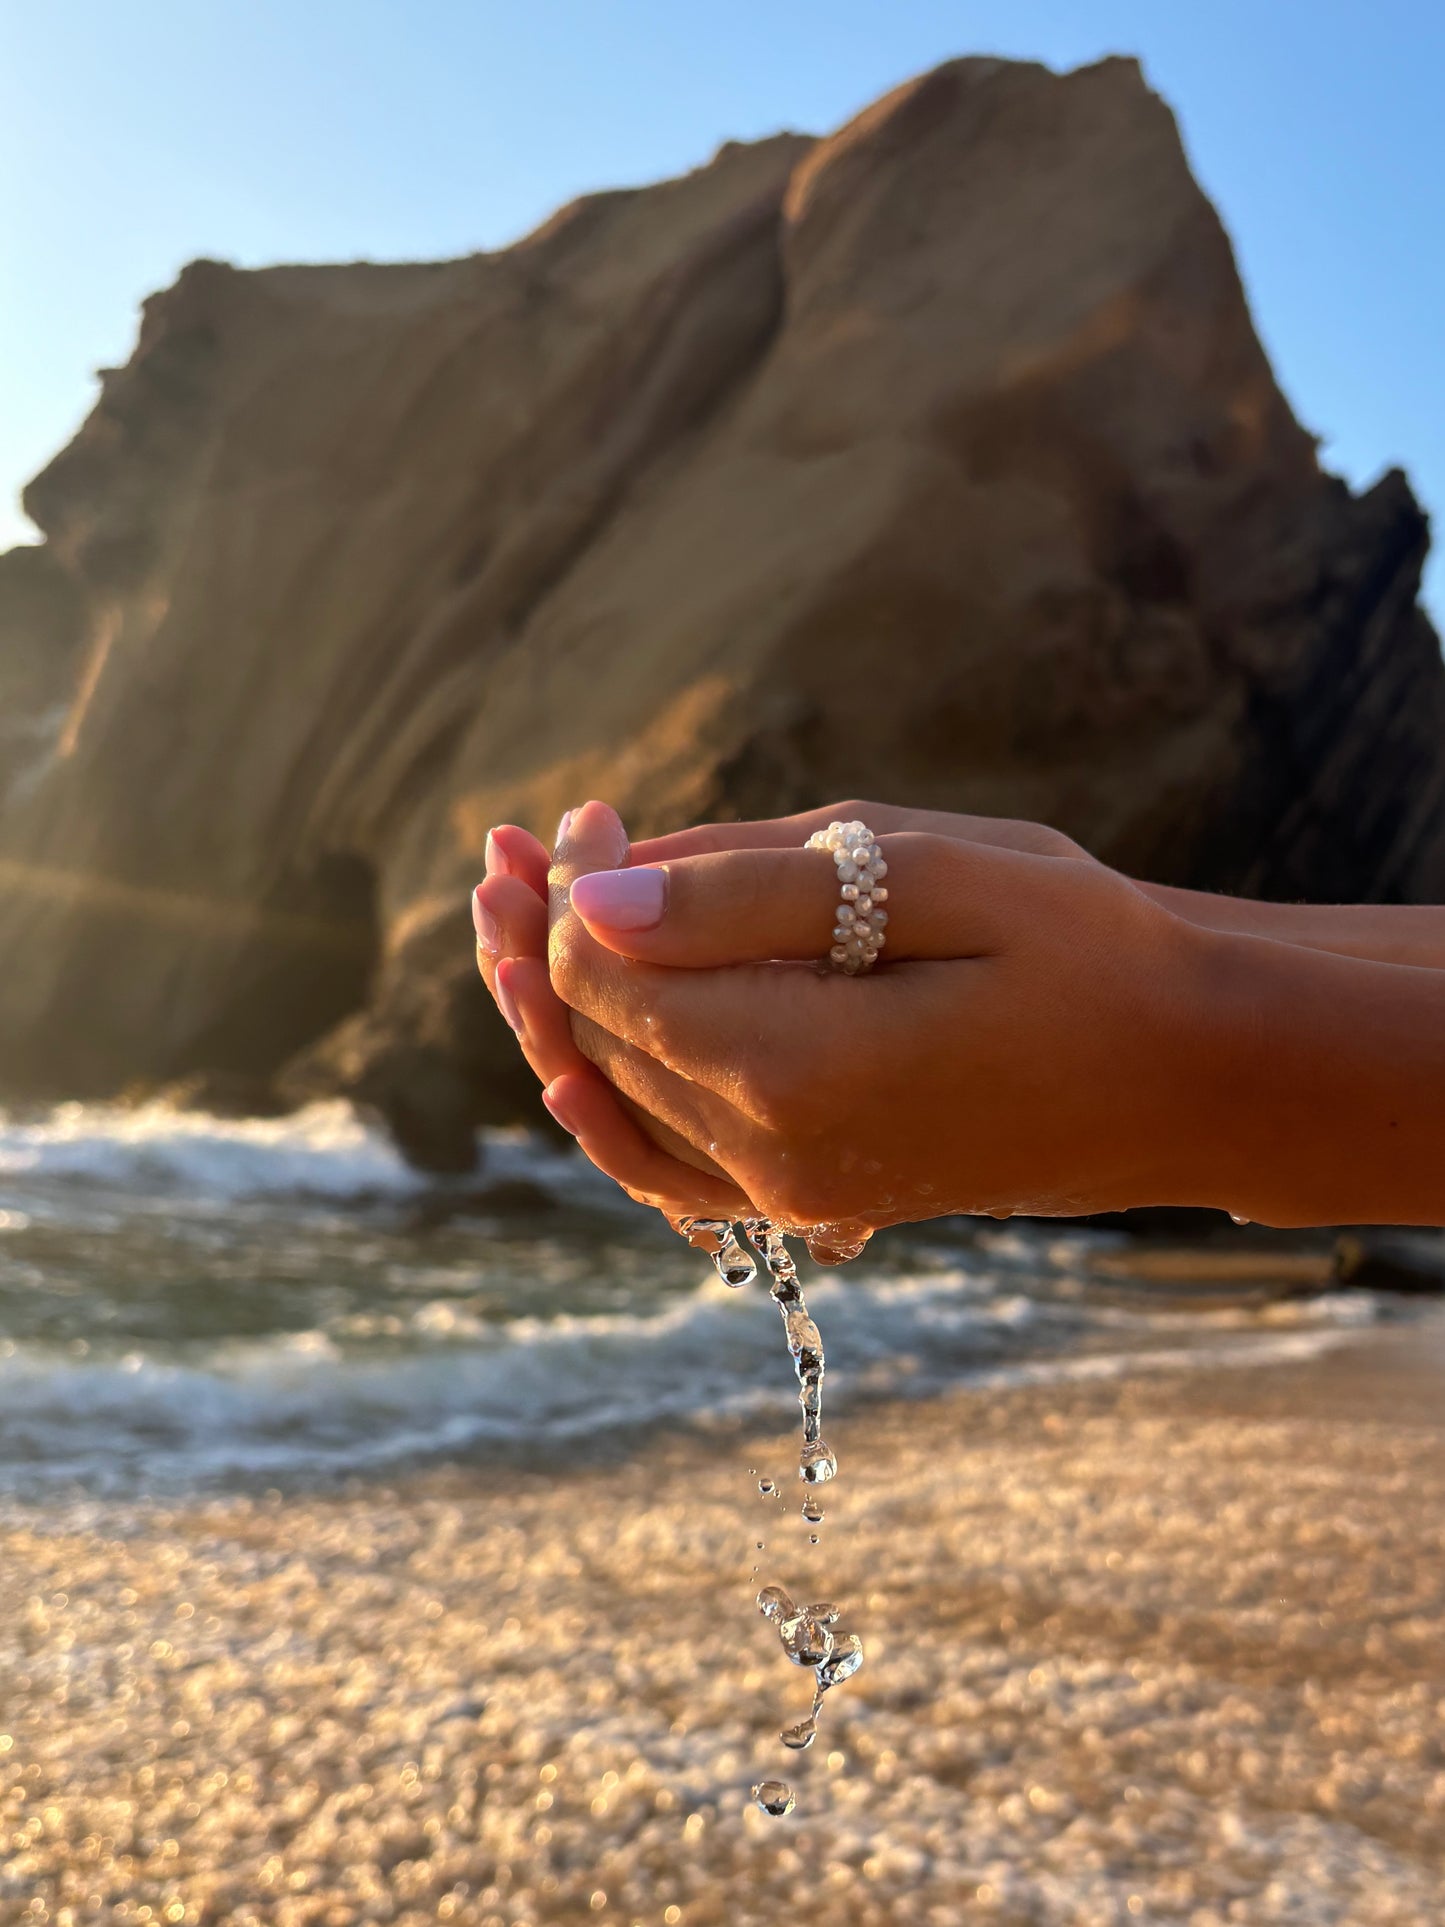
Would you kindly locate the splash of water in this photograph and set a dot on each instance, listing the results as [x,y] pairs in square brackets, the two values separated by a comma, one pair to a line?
[810,1636]
[807,1634]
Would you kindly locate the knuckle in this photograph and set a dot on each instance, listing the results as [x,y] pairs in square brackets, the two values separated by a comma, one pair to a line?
[856,807]
[1044,841]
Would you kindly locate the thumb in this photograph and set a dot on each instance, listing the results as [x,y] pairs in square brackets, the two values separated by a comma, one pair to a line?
[590,838]
[942,898]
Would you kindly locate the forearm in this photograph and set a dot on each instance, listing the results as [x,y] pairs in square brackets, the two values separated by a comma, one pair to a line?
[1408,933]
[1322,1085]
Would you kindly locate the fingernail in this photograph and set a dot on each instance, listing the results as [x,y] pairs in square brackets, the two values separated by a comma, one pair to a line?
[562,828]
[489,931]
[506,1003]
[559,1110]
[621,899]
[496,858]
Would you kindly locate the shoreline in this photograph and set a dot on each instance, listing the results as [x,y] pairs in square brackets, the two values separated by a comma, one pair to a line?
[1173,1639]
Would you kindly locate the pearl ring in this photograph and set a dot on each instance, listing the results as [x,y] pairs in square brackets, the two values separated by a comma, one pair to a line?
[860,917]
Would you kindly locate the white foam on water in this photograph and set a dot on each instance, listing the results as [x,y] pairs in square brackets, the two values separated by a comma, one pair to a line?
[314,1403]
[325,1150]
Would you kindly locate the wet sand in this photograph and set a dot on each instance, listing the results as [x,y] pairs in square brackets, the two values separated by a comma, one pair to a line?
[1170,1649]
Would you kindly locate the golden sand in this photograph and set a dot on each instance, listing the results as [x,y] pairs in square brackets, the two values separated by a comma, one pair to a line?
[1171,1650]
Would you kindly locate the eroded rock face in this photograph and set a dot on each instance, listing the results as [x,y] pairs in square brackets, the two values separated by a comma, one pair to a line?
[936,460]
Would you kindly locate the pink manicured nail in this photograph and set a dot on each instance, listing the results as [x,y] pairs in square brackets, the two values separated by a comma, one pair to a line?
[506,1003]
[496,858]
[559,1110]
[489,931]
[621,899]
[562,828]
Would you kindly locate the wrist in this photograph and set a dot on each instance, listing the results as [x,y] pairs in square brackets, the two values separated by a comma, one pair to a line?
[1313,1084]
[1227,1018]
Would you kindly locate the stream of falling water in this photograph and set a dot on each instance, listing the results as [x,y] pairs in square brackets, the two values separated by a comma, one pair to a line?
[809,1635]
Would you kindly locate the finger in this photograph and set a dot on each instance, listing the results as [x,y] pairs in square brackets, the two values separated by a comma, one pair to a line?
[511,923]
[583,1105]
[590,837]
[544,1031]
[682,1117]
[510,920]
[512,851]
[768,833]
[929,897]
[791,832]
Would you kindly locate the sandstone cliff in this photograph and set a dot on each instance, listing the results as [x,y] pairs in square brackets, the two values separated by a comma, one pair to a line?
[937,459]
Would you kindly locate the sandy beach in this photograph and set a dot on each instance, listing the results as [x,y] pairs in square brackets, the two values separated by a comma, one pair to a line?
[1169,1649]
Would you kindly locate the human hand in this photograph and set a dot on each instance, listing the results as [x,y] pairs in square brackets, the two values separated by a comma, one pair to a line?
[512,941]
[1298,1066]
[1021,1049]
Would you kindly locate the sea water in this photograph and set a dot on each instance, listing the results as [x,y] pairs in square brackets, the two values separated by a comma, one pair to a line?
[193,1302]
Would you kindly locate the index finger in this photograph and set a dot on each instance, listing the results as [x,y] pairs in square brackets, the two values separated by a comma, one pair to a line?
[772,832]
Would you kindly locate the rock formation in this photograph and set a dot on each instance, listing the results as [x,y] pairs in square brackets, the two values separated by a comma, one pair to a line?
[937,459]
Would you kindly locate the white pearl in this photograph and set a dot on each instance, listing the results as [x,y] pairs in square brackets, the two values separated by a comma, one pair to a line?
[860,854]
[838,954]
[879,893]
[864,898]
[842,932]
[849,892]
[880,868]
[847,871]
[879,918]
[879,940]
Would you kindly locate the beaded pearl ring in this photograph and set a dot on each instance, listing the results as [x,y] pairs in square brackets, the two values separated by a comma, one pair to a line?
[858,925]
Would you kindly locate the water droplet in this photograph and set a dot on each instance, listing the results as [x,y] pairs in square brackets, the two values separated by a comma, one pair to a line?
[774,1603]
[717,1237]
[1235,1216]
[842,1662]
[775,1797]
[804,1641]
[812,1510]
[826,1614]
[767,1488]
[836,1243]
[761,1546]
[816,1463]
[812,1538]
[799,1736]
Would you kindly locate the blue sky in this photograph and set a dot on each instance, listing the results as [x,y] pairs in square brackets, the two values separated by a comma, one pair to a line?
[133,138]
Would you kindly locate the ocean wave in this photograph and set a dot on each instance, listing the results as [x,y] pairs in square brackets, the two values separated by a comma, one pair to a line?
[325,1151]
[318,1402]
